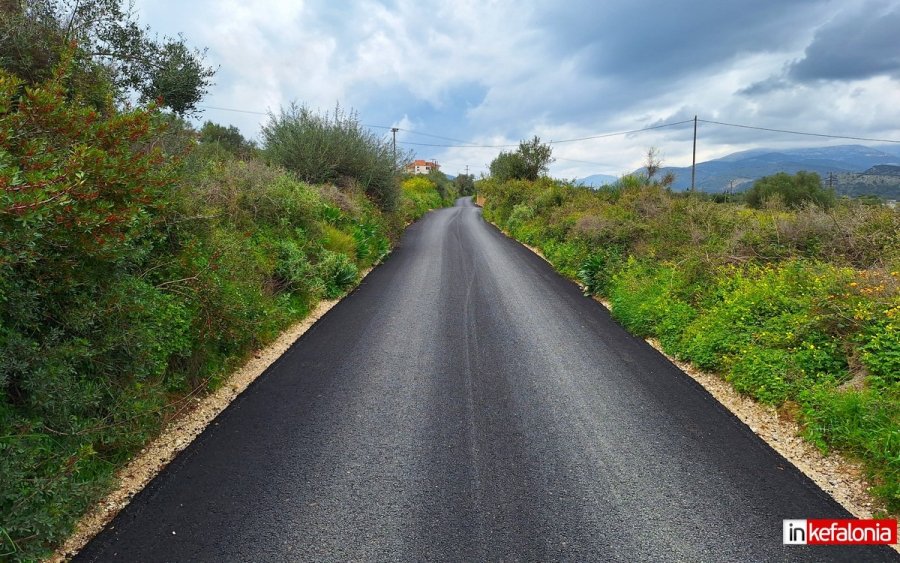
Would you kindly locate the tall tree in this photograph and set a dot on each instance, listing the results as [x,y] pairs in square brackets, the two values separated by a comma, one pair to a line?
[465,184]
[529,162]
[537,157]
[110,47]
[229,138]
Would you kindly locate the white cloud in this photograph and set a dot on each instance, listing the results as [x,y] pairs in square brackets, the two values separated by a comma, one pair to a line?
[498,71]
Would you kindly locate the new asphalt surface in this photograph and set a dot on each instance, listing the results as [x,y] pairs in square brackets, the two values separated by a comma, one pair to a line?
[466,403]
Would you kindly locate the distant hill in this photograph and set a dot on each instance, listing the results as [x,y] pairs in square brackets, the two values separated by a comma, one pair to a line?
[884,170]
[858,170]
[893,148]
[597,180]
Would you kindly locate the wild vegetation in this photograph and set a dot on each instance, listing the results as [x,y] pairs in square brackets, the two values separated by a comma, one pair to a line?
[110,54]
[140,260]
[319,147]
[796,302]
[528,162]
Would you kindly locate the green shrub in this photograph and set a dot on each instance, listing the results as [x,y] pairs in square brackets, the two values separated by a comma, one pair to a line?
[294,272]
[565,256]
[863,423]
[371,243]
[793,191]
[520,214]
[597,270]
[322,148]
[337,240]
[645,300]
[763,373]
[635,295]
[419,196]
[880,346]
[337,271]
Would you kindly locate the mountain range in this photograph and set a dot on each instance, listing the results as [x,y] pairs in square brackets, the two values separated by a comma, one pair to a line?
[850,169]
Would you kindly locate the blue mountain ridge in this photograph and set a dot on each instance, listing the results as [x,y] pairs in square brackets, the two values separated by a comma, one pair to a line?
[738,170]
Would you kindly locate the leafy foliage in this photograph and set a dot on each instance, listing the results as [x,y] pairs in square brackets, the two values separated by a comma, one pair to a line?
[419,195]
[530,161]
[228,138]
[445,188]
[465,184]
[794,191]
[111,50]
[321,148]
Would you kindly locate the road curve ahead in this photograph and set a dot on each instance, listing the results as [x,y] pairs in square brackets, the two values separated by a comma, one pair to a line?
[468,404]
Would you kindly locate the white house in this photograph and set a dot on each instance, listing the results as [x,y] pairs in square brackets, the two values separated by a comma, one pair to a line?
[422,166]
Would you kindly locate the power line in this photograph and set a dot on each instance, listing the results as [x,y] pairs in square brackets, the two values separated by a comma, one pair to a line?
[600,136]
[467,144]
[581,161]
[458,146]
[430,135]
[621,132]
[800,132]
[234,110]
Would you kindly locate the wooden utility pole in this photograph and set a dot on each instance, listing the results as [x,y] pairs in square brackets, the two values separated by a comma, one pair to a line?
[394,134]
[694,161]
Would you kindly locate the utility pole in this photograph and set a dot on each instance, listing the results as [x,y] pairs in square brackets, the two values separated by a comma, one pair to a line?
[694,161]
[394,134]
[831,180]
[467,169]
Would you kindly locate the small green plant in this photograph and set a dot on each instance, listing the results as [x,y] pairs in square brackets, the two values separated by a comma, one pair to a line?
[337,271]
[763,373]
[596,272]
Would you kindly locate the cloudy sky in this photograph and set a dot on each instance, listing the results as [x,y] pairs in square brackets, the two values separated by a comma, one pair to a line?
[492,72]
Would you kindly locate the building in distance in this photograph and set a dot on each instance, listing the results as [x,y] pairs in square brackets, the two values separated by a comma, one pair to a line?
[422,166]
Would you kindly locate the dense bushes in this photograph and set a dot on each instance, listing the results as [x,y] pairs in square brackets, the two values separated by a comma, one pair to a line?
[529,161]
[420,195]
[797,308]
[322,148]
[134,273]
[106,50]
[793,191]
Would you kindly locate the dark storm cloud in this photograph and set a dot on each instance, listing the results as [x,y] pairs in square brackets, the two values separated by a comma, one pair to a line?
[653,42]
[852,47]
[771,84]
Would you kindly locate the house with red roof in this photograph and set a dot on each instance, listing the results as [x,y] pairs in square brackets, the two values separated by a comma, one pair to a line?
[422,166]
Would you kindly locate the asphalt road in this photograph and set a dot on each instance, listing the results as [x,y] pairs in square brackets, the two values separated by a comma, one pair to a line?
[468,404]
